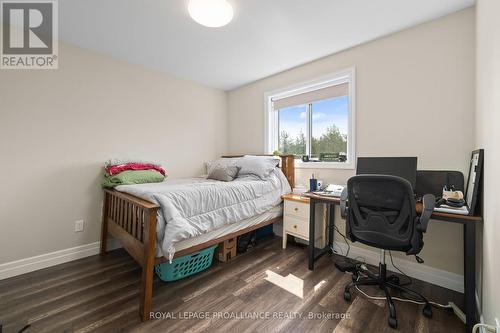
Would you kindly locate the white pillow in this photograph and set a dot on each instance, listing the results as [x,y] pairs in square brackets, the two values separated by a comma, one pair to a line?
[260,166]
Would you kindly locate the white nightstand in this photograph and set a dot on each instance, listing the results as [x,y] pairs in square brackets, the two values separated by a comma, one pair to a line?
[296,220]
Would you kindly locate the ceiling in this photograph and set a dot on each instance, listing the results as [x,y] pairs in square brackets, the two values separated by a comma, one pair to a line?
[264,38]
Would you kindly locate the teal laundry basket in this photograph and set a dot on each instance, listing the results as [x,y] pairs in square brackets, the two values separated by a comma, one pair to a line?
[186,265]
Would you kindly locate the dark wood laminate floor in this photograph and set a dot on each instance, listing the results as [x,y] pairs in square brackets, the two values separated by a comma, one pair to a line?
[101,295]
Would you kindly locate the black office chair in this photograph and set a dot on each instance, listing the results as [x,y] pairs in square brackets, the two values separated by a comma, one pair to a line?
[380,211]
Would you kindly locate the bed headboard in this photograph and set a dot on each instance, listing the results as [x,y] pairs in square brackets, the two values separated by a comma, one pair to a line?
[287,165]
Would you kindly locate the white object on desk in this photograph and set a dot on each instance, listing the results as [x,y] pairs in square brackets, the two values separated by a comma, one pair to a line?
[332,190]
[452,210]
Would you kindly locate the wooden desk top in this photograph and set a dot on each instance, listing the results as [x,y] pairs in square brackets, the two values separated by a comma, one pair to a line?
[456,218]
[295,197]
[304,197]
[324,198]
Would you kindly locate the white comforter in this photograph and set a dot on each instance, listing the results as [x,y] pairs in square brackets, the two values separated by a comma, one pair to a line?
[194,206]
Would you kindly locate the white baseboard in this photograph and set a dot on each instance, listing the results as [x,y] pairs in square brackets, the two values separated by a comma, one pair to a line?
[27,265]
[422,272]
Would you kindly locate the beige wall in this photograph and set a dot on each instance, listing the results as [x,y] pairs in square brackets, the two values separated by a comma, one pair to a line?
[57,127]
[488,137]
[415,97]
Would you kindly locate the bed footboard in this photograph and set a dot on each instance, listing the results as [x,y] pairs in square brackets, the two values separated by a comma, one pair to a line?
[133,222]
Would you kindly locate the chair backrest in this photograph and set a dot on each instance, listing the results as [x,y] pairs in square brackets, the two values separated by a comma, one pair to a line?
[382,213]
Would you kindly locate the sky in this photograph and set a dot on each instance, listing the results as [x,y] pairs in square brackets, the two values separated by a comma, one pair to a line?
[325,113]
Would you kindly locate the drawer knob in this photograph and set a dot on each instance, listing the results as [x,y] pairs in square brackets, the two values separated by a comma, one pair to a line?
[295,226]
[296,209]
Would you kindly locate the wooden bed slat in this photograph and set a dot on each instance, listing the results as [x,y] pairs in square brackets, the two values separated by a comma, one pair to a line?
[137,221]
[116,209]
[134,221]
[140,224]
[110,199]
[124,209]
[111,205]
[120,212]
[129,217]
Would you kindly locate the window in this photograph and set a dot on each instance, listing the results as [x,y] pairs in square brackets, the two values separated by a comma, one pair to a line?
[314,120]
[292,130]
[329,129]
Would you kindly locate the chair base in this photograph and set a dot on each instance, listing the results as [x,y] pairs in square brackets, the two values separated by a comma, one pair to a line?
[386,284]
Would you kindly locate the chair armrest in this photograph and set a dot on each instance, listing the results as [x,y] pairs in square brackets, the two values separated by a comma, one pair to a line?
[343,203]
[428,203]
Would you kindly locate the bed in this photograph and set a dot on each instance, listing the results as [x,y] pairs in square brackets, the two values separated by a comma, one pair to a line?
[133,217]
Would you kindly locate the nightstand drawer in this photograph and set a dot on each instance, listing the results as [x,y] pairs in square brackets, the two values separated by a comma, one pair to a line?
[297,209]
[297,226]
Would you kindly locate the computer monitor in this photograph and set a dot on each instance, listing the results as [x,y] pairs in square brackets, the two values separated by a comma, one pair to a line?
[404,167]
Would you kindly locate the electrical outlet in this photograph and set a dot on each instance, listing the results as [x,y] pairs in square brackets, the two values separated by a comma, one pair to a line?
[79,225]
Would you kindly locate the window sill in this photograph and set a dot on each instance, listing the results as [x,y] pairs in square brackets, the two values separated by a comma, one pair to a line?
[324,165]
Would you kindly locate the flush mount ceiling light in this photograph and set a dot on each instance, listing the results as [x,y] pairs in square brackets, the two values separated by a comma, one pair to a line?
[211,13]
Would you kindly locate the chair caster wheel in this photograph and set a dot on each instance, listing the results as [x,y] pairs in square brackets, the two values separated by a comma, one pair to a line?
[347,296]
[393,323]
[427,311]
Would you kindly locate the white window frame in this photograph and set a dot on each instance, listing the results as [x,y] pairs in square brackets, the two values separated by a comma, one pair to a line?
[271,116]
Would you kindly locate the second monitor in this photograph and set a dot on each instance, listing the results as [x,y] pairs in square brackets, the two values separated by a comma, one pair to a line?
[404,167]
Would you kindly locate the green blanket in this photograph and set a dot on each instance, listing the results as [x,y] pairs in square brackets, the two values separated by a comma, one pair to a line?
[130,177]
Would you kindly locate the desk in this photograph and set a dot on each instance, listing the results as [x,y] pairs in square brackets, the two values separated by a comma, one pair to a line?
[469,228]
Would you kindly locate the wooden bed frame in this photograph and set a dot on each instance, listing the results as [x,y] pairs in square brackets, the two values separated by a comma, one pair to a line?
[132,221]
